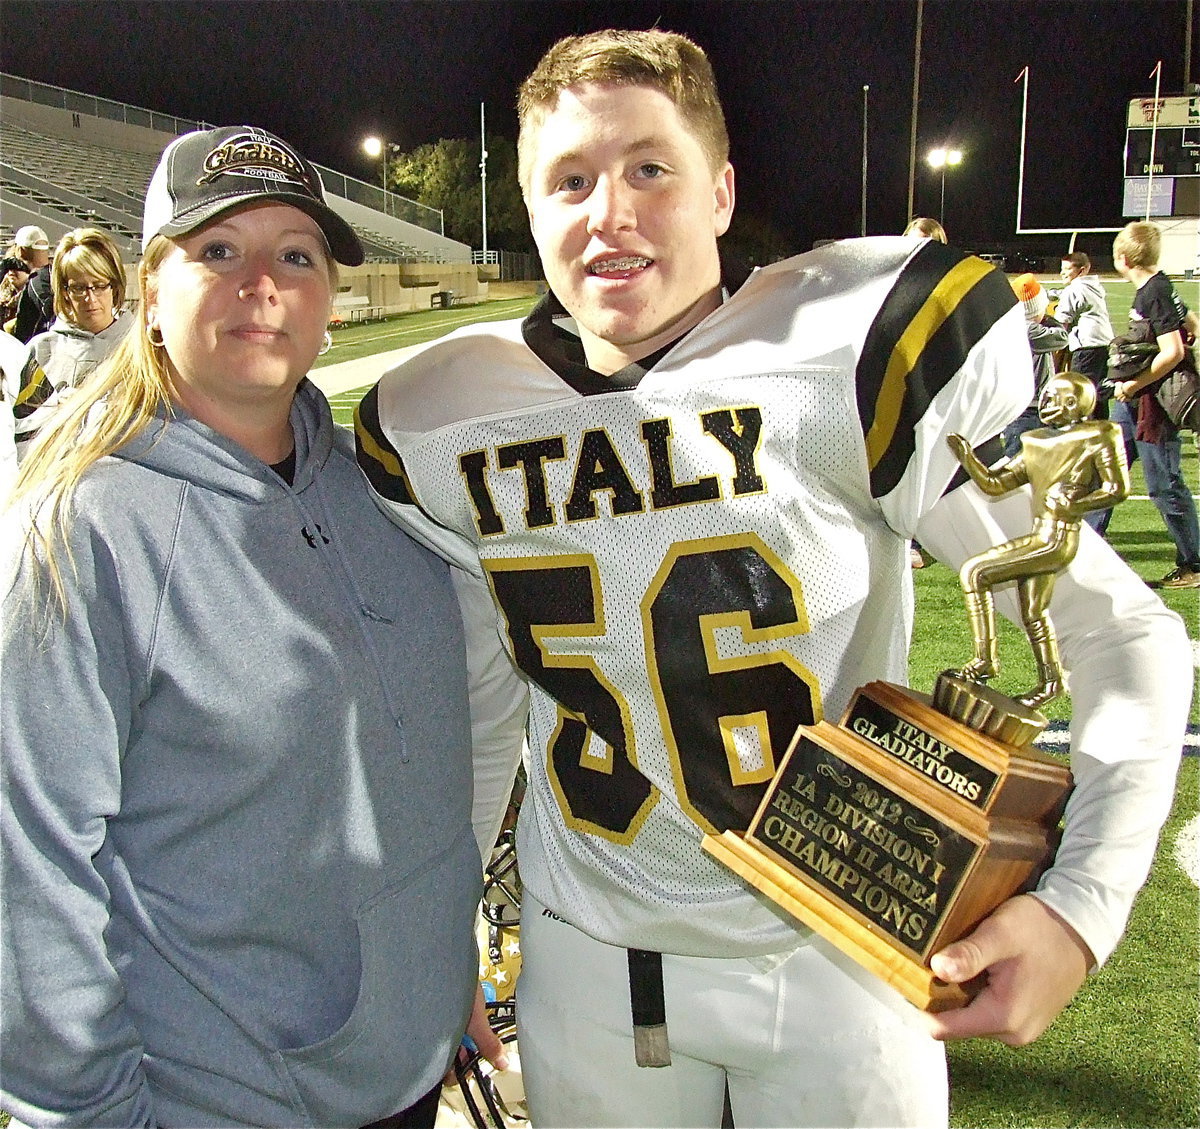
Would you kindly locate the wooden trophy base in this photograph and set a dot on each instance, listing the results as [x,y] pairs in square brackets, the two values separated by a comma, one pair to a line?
[895,832]
[841,929]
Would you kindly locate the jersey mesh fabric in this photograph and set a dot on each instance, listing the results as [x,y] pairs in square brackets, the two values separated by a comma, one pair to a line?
[742,573]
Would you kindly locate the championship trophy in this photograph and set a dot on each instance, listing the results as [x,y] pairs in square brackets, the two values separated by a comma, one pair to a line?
[895,832]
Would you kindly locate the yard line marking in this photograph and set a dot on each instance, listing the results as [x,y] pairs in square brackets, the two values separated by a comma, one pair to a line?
[1187,849]
[1057,739]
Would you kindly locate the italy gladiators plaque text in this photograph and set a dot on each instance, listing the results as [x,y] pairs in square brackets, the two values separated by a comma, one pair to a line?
[895,832]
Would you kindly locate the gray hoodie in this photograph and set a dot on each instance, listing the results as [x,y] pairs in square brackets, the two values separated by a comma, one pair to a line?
[1083,311]
[238,869]
[67,353]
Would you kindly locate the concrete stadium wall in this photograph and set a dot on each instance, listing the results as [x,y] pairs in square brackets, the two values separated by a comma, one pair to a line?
[1180,245]
[398,287]
[70,124]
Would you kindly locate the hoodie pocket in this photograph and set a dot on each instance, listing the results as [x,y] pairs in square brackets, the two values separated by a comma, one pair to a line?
[419,966]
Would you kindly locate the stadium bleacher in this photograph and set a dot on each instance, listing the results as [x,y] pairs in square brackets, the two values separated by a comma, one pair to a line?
[107,187]
[98,177]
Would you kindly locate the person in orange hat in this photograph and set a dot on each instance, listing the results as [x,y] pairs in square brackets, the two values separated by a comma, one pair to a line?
[1046,336]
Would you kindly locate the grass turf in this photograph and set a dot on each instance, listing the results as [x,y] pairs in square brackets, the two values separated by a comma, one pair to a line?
[1124,1051]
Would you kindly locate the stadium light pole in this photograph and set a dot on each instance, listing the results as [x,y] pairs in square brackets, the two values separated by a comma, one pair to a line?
[939,159]
[483,155]
[1155,74]
[916,97]
[378,147]
[863,226]
[1024,75]
[1188,27]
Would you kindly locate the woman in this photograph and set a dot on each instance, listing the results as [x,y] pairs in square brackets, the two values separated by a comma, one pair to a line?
[239,873]
[88,282]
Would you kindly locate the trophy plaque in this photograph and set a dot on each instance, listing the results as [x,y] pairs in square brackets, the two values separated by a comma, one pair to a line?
[896,831]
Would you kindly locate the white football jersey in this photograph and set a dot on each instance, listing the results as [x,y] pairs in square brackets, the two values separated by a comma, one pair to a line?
[696,555]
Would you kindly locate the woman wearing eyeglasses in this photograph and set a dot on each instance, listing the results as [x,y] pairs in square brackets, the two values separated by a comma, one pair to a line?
[89,293]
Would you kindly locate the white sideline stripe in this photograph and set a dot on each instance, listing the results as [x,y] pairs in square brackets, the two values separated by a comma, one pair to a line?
[347,375]
[1057,738]
[344,376]
[1187,849]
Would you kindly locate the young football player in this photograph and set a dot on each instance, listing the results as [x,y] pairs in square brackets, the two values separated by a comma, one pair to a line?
[690,490]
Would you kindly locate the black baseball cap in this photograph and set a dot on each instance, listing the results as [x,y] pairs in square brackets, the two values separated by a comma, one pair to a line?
[202,174]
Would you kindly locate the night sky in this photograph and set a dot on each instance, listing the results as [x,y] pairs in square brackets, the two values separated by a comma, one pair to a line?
[324,74]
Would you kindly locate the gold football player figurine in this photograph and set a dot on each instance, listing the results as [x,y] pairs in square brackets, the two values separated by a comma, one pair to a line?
[1074,464]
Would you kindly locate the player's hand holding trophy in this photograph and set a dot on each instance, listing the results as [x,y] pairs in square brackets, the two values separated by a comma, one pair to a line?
[896,831]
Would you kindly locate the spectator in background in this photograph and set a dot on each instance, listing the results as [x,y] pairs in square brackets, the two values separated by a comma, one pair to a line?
[35,309]
[1083,311]
[922,227]
[88,285]
[14,273]
[1046,337]
[14,358]
[1135,255]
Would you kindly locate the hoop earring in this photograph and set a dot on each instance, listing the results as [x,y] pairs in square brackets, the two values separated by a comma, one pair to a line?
[151,330]
[326,345]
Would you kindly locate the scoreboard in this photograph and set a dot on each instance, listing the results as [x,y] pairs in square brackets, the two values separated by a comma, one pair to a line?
[1176,151]
[1172,127]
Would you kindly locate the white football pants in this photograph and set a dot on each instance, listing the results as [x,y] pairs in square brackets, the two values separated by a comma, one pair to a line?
[813,1041]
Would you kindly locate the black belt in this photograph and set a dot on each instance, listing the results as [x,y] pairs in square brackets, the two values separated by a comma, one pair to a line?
[650,1044]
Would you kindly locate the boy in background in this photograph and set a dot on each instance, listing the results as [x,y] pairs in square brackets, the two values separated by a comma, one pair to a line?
[1046,336]
[1083,311]
[1136,251]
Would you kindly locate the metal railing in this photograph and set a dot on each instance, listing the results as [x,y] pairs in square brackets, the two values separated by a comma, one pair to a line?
[348,187]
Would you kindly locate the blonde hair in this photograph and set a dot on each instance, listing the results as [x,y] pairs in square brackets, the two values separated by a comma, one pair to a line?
[88,251]
[662,60]
[1141,244]
[115,403]
[926,228]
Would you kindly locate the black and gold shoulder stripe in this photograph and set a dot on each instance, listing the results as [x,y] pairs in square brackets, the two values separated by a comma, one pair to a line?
[35,390]
[942,304]
[376,455]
